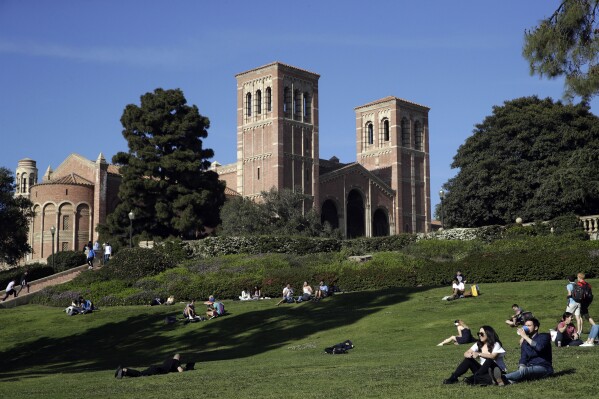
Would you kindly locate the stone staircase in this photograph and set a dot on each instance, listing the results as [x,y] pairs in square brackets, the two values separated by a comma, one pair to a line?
[37,285]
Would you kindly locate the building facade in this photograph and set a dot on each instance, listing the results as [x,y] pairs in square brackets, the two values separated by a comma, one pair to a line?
[73,199]
[386,192]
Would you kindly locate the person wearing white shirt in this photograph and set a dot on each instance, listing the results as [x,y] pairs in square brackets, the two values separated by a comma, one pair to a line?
[10,290]
[458,289]
[482,359]
[107,252]
[287,295]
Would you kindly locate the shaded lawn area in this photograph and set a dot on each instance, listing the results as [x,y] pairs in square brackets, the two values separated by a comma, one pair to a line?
[261,350]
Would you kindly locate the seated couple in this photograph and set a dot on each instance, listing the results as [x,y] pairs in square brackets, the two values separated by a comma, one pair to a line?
[246,295]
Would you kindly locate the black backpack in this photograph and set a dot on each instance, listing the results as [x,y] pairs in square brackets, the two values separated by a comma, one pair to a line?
[341,348]
[582,293]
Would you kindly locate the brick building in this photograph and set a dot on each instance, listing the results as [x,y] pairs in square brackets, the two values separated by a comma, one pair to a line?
[387,191]
[74,198]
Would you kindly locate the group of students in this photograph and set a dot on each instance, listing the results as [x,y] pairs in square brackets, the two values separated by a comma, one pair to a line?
[308,293]
[93,250]
[214,309]
[485,358]
[256,293]
[80,306]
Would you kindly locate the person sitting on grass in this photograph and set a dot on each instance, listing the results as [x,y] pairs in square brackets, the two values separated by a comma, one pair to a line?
[170,365]
[307,293]
[464,335]
[257,294]
[483,358]
[536,359]
[287,295]
[245,295]
[322,291]
[457,289]
[215,309]
[593,334]
[190,311]
[566,332]
[517,319]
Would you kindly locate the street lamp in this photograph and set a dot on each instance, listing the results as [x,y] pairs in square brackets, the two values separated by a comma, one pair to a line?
[52,231]
[131,217]
[442,197]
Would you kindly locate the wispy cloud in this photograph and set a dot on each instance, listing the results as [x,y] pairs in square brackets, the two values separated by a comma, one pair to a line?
[147,56]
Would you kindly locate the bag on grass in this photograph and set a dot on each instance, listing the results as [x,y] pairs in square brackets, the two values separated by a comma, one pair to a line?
[474,289]
[340,348]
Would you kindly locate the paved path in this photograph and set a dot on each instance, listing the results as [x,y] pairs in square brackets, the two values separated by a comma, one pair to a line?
[37,285]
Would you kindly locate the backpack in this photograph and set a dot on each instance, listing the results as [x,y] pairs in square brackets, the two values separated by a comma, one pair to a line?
[582,293]
[72,311]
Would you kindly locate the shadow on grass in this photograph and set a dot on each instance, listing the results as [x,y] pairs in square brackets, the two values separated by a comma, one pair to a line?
[145,339]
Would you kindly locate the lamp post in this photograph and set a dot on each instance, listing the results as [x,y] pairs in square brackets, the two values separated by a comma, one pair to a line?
[52,231]
[442,197]
[131,217]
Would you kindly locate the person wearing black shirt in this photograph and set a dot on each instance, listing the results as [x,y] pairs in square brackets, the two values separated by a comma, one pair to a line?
[170,365]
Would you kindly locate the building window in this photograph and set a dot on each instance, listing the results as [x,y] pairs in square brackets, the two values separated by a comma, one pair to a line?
[268,99]
[297,103]
[386,130]
[24,183]
[248,104]
[258,102]
[307,175]
[405,132]
[18,184]
[66,191]
[418,136]
[307,107]
[287,101]
[64,246]
[31,181]
[370,133]
[258,173]
[66,222]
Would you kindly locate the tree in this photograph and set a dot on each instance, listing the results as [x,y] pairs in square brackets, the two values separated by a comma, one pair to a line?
[532,158]
[15,213]
[567,44]
[283,212]
[165,176]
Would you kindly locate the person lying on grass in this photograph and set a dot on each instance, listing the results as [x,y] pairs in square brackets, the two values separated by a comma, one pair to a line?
[170,365]
[464,335]
[483,358]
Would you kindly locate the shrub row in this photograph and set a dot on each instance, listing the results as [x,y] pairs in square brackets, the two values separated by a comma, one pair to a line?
[35,271]
[66,260]
[423,263]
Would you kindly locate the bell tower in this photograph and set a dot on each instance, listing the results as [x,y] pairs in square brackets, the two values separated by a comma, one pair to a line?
[277,130]
[25,177]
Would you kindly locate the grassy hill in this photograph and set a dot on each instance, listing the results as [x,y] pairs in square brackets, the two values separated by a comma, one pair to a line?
[263,351]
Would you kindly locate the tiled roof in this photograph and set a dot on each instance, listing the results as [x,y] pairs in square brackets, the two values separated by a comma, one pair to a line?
[72,178]
[391,98]
[231,192]
[275,63]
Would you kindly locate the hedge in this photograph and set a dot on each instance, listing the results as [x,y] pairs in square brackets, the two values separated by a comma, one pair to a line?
[66,260]
[423,263]
[35,272]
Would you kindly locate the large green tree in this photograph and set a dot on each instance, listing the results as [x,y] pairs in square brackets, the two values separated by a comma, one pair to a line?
[567,44]
[15,213]
[165,176]
[532,158]
[283,212]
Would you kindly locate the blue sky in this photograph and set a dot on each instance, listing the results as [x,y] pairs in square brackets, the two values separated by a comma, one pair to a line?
[69,68]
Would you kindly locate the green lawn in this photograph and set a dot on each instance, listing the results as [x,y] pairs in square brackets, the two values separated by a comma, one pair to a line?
[263,351]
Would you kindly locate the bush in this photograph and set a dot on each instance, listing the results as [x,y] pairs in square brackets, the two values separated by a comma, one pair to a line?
[176,249]
[132,264]
[66,260]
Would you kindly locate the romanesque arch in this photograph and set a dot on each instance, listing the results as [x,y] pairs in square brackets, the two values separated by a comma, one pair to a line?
[355,215]
[380,223]
[329,214]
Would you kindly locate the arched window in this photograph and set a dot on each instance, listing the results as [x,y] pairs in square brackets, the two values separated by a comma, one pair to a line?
[297,103]
[287,101]
[405,132]
[268,99]
[385,128]
[18,185]
[248,104]
[258,102]
[307,107]
[418,136]
[369,133]
[24,183]
[31,181]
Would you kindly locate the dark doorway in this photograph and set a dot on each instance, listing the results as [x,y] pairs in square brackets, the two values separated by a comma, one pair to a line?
[355,215]
[380,224]
[329,214]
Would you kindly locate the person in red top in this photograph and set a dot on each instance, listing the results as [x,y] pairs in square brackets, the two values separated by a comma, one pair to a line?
[584,307]
[566,332]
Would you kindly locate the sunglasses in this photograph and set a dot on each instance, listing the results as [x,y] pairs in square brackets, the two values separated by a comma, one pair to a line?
[481,334]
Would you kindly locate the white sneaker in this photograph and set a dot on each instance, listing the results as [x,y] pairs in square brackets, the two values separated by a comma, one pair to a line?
[588,344]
